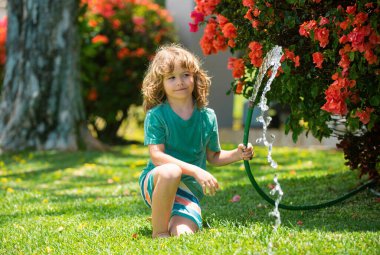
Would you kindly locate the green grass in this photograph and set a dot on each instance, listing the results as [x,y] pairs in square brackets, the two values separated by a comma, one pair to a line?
[89,203]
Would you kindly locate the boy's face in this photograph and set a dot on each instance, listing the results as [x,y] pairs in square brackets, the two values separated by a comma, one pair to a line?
[179,84]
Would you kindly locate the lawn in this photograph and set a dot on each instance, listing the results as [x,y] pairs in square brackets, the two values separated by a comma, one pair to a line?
[89,203]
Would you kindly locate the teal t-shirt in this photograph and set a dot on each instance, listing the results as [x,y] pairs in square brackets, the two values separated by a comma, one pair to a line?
[186,140]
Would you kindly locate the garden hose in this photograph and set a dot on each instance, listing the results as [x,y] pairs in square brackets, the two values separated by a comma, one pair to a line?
[292,207]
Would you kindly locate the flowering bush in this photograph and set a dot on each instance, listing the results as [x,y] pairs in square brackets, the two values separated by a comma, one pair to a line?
[118,39]
[330,65]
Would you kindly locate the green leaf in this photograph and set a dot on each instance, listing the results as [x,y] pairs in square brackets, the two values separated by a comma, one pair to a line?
[351,55]
[286,68]
[314,90]
[375,100]
[289,20]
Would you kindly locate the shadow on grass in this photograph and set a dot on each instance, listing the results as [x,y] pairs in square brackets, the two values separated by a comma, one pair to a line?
[49,162]
[90,207]
[358,213]
[54,160]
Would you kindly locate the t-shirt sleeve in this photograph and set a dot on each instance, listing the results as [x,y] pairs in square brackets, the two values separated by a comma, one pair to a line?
[154,129]
[214,144]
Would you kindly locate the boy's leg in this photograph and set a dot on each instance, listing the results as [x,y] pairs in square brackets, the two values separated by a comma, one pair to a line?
[166,180]
[180,225]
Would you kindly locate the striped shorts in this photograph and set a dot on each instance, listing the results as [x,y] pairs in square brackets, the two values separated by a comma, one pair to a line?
[186,204]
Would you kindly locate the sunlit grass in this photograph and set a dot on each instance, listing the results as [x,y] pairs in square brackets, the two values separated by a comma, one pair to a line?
[89,203]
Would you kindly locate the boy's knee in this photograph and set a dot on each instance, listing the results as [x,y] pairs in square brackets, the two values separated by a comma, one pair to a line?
[170,172]
[179,225]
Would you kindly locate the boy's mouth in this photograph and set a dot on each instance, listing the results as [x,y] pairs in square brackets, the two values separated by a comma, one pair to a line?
[181,89]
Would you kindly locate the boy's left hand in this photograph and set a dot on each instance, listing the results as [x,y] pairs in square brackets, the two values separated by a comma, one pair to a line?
[246,153]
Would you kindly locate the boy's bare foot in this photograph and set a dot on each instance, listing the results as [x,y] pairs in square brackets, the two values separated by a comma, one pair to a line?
[162,235]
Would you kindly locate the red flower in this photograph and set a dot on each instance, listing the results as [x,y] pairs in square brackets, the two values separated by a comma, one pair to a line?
[256,12]
[374,38]
[306,27]
[239,87]
[318,59]
[248,15]
[322,35]
[370,57]
[351,9]
[347,48]
[231,43]
[139,52]
[364,116]
[336,95]
[344,62]
[256,53]
[100,39]
[222,20]
[255,24]
[229,31]
[139,24]
[92,95]
[197,16]
[249,3]
[343,39]
[3,38]
[206,7]
[360,18]
[92,23]
[297,61]
[345,24]
[237,67]
[357,36]
[123,53]
[193,27]
[324,21]
[116,23]
[219,42]
[289,54]
[206,41]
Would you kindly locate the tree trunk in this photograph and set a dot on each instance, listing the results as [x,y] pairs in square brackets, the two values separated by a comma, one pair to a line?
[41,106]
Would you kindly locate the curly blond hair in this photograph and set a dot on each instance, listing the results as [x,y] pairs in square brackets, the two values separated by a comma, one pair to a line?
[162,64]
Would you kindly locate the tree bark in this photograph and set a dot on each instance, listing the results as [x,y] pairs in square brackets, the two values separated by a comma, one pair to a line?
[41,105]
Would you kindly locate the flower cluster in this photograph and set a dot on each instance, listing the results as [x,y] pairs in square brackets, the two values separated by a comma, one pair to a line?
[118,38]
[331,55]
[337,93]
[355,34]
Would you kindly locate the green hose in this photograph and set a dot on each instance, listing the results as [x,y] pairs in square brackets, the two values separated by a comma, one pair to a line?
[291,207]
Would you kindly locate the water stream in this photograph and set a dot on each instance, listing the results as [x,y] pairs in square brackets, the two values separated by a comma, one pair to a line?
[275,213]
[271,60]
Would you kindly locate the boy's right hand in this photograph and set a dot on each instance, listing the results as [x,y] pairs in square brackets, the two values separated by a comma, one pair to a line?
[207,181]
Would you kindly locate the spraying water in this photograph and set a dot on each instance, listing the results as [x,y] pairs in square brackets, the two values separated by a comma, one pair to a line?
[272,59]
[275,213]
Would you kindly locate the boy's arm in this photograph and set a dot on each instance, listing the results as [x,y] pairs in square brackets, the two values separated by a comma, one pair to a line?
[204,178]
[225,157]
[159,157]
